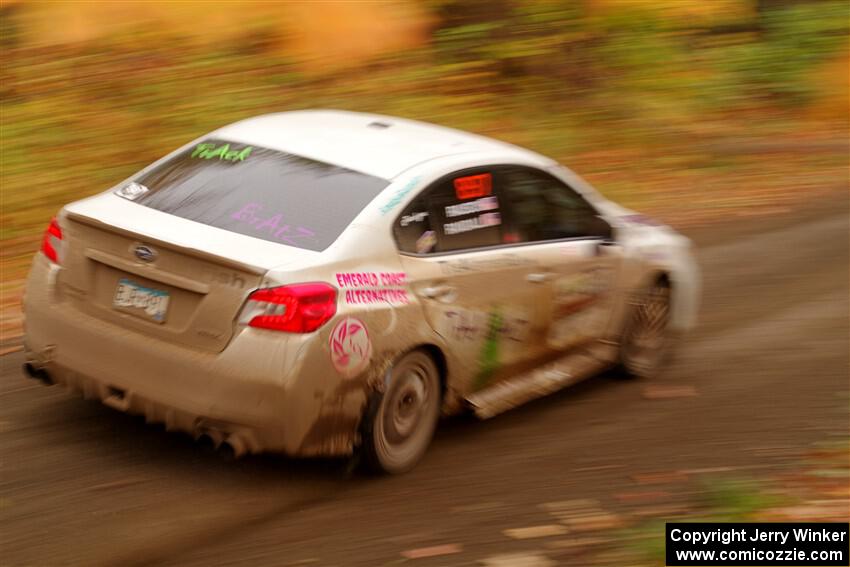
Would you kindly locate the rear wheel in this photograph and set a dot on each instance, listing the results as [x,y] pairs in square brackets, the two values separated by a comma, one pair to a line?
[646,338]
[400,422]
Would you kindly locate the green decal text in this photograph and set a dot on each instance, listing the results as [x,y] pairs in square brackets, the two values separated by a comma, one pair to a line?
[223,152]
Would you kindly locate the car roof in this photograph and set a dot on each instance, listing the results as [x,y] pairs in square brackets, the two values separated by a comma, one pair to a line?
[381,146]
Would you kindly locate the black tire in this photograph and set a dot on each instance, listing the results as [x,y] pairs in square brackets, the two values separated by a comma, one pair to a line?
[399,423]
[646,339]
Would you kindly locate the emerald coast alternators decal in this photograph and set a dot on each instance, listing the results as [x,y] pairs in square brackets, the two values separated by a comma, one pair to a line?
[222,152]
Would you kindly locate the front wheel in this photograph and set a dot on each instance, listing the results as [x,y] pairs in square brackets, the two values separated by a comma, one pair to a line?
[646,338]
[400,422]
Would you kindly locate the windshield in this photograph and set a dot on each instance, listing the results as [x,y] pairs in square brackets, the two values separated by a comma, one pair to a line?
[259,192]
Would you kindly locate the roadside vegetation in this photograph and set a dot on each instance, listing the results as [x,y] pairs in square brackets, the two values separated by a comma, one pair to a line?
[687,115]
[814,489]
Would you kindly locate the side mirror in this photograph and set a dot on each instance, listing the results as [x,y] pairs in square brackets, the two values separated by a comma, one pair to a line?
[601,228]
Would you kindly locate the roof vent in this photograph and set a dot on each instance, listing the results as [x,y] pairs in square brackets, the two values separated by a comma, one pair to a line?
[379,125]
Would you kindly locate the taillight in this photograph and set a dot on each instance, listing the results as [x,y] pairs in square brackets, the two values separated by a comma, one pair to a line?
[51,244]
[298,308]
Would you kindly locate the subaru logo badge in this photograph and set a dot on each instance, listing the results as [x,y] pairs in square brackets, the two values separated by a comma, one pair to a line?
[144,253]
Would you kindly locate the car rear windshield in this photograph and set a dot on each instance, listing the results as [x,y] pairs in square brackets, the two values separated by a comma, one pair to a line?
[259,192]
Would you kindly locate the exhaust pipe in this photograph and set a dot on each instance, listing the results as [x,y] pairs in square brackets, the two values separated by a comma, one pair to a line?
[30,370]
[207,443]
[227,452]
[232,448]
[229,447]
[209,438]
[37,373]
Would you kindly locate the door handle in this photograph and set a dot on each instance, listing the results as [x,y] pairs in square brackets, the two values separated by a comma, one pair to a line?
[605,244]
[438,291]
[539,277]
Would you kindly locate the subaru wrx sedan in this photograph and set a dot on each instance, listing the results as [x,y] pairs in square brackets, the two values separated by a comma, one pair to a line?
[330,283]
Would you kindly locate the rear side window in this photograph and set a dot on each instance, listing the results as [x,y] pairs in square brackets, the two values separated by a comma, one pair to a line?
[459,212]
[259,192]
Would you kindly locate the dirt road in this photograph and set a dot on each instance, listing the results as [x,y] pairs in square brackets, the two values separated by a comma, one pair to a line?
[764,376]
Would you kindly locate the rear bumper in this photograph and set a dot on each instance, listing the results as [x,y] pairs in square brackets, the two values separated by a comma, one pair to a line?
[265,392]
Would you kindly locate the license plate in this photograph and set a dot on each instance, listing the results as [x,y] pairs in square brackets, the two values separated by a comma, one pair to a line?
[153,302]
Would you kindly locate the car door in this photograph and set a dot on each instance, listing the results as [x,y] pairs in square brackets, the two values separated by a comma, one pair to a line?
[475,289]
[577,261]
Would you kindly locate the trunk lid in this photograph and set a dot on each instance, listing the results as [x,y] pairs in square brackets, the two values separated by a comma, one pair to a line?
[161,276]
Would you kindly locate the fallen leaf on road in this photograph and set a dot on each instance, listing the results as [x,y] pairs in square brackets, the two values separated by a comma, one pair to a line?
[535,531]
[566,505]
[828,473]
[523,559]
[117,483]
[641,497]
[603,521]
[838,491]
[661,512]
[599,468]
[479,507]
[668,392]
[433,551]
[816,511]
[577,544]
[660,477]
[709,470]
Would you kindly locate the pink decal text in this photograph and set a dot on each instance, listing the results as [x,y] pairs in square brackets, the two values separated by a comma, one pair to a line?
[374,287]
[273,225]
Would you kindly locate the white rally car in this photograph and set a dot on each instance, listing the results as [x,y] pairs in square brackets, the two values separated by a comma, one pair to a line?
[326,282]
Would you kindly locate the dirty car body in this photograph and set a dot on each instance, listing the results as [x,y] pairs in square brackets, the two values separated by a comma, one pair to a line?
[260,285]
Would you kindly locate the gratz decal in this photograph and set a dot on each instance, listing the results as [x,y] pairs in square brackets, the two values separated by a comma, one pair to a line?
[351,349]
[273,225]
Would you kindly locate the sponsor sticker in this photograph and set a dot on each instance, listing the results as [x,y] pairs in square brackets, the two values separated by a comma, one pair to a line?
[399,195]
[466,225]
[477,206]
[374,287]
[350,346]
[413,217]
[426,242]
[473,186]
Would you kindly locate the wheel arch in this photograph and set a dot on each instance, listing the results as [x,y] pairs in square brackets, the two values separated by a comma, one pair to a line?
[436,353]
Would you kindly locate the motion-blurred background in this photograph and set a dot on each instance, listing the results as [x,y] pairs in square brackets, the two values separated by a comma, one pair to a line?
[704,113]
[687,109]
